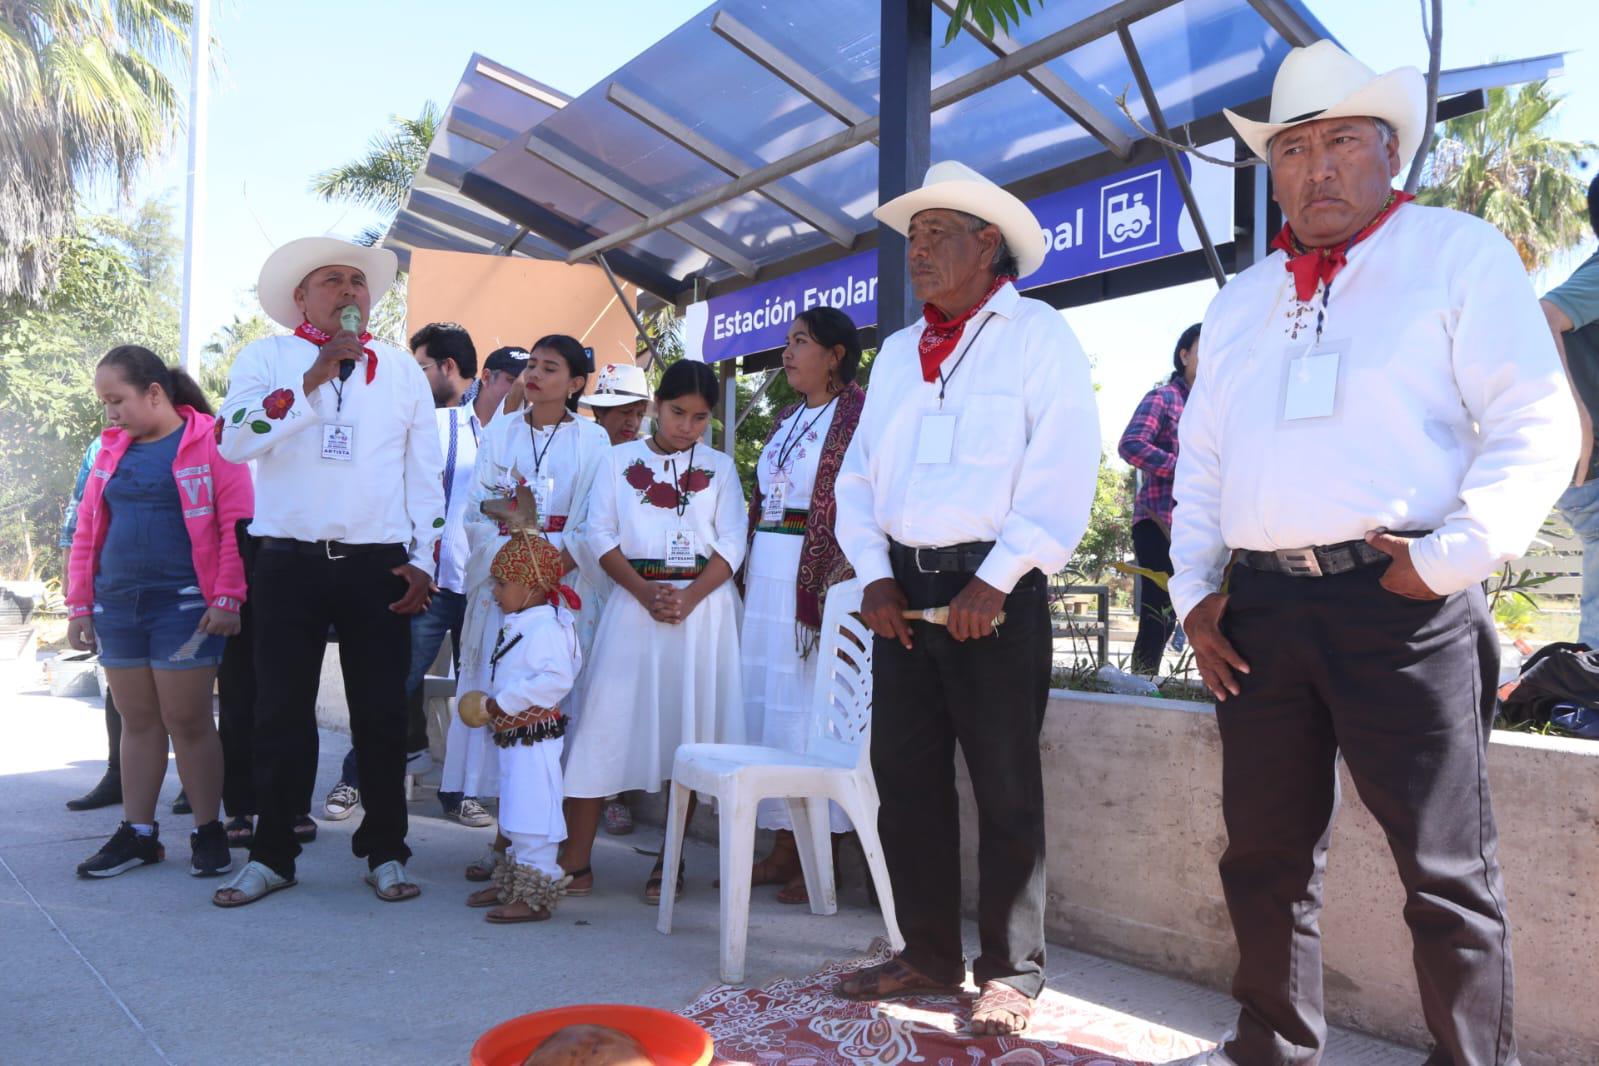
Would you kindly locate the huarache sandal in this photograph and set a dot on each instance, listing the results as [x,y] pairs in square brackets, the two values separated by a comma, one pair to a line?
[893,979]
[1000,1010]
[575,876]
[241,832]
[528,895]
[652,887]
[255,881]
[390,883]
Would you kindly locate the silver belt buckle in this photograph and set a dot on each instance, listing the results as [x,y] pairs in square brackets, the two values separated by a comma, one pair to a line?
[1301,562]
[327,549]
[916,553]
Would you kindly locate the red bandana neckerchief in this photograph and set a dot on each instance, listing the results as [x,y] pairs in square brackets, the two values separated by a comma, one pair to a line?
[1312,265]
[318,338]
[942,334]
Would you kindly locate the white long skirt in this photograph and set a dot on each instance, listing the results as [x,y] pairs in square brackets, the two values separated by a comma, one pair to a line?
[778,684]
[471,766]
[651,687]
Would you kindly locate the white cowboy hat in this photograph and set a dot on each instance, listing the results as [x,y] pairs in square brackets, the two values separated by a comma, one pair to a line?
[957,187]
[618,384]
[285,268]
[1323,81]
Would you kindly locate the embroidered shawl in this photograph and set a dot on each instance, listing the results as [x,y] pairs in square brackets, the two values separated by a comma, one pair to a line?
[822,562]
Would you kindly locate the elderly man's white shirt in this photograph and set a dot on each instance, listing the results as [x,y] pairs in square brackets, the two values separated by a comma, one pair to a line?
[390,492]
[1026,451]
[1452,411]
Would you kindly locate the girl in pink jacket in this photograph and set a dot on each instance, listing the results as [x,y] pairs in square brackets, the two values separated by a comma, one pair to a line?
[156,583]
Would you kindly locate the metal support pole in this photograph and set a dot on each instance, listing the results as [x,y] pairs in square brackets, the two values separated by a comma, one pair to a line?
[729,370]
[903,150]
[1159,120]
[1260,233]
[194,202]
[638,323]
[760,392]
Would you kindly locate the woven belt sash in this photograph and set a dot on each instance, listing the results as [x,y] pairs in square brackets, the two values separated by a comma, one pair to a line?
[657,570]
[529,726]
[793,523]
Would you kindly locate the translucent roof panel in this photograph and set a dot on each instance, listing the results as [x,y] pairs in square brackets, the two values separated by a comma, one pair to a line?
[1201,55]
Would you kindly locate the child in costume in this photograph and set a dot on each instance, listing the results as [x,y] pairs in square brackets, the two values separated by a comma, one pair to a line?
[535,659]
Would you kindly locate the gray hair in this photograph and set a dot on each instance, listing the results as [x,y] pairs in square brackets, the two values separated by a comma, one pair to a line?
[1385,133]
[1004,261]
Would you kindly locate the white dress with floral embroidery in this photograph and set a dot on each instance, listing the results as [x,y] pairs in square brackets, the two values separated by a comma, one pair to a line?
[777,681]
[652,686]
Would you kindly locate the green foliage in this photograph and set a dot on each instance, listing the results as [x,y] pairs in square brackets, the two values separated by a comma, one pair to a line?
[381,179]
[1502,165]
[1110,523]
[216,358]
[987,14]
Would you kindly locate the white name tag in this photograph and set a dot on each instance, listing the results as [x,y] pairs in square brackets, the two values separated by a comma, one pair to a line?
[680,550]
[543,491]
[936,441]
[338,442]
[772,502]
[1311,390]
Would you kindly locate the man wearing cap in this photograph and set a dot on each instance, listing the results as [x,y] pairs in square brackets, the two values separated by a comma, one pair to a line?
[968,481]
[348,508]
[1380,421]
[465,402]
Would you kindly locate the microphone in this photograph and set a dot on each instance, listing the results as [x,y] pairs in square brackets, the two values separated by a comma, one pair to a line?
[346,368]
[350,319]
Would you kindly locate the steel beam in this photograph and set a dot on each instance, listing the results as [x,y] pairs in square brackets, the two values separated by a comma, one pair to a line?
[835,226]
[522,84]
[446,170]
[906,106]
[1054,88]
[438,209]
[632,312]
[788,69]
[1212,260]
[1288,23]
[478,129]
[1088,29]
[699,236]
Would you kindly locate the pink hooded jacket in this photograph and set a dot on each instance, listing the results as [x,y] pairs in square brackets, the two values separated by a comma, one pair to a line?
[215,495]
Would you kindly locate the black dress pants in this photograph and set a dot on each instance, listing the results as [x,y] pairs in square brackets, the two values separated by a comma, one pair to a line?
[990,696]
[1403,690]
[1156,622]
[297,597]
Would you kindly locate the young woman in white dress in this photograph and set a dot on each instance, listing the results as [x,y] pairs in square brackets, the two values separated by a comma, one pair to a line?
[794,557]
[556,453]
[666,520]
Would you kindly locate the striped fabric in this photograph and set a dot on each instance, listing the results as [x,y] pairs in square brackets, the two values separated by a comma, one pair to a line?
[793,523]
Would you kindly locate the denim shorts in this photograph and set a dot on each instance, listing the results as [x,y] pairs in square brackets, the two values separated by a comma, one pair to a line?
[158,628]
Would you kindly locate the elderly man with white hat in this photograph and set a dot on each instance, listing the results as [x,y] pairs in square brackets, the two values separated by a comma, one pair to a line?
[349,505]
[968,481]
[1380,421]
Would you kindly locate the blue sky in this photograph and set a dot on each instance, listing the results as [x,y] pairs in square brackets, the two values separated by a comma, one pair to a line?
[303,85]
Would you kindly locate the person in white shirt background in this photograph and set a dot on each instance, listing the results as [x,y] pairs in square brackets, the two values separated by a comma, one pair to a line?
[1379,422]
[348,507]
[968,480]
[465,403]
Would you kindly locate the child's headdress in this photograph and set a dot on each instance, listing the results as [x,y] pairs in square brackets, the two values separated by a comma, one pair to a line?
[527,558]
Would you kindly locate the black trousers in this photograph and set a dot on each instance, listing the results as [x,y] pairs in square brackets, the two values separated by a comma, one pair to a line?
[989,695]
[297,597]
[1156,622]
[1404,691]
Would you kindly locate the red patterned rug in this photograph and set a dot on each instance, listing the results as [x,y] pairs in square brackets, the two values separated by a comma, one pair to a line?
[800,1022]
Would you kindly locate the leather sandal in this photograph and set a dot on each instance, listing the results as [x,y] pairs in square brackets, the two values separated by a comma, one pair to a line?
[256,880]
[893,979]
[998,998]
[390,883]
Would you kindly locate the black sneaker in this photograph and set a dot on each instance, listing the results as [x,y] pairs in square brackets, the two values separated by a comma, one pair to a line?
[125,850]
[209,847]
[108,793]
[181,804]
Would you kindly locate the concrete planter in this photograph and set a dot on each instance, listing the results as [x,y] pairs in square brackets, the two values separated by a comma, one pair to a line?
[1133,792]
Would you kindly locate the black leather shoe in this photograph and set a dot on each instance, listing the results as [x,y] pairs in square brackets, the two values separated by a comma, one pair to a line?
[181,804]
[108,793]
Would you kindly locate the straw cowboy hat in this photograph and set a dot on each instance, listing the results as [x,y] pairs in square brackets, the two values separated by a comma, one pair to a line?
[619,384]
[288,266]
[1323,81]
[957,187]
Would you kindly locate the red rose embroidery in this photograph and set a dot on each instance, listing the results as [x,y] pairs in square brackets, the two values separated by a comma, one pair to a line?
[277,404]
[695,480]
[638,475]
[661,495]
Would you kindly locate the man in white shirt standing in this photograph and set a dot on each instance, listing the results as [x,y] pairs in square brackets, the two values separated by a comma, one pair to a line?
[968,481]
[348,508]
[1379,422]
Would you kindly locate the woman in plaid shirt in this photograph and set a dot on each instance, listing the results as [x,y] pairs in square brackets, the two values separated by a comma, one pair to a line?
[1150,444]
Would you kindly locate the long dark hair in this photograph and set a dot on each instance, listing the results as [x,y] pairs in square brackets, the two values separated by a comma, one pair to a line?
[1186,342]
[578,359]
[141,368]
[689,378]
[829,326]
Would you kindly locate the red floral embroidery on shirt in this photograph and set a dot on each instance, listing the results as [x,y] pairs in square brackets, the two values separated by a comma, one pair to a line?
[277,404]
[638,475]
[664,494]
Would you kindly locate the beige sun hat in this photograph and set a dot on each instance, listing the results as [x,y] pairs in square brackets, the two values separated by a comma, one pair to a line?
[618,384]
[286,267]
[957,187]
[1322,81]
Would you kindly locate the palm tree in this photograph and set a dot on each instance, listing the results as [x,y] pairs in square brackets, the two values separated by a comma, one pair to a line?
[987,14]
[381,179]
[82,97]
[1502,165]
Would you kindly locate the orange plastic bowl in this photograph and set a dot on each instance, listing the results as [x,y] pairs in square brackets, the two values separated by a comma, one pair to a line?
[669,1039]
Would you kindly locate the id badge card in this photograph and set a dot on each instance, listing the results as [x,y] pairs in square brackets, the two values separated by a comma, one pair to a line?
[773,502]
[1310,388]
[543,492]
[338,442]
[680,550]
[935,444]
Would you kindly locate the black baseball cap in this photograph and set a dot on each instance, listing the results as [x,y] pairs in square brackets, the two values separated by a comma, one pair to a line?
[510,359]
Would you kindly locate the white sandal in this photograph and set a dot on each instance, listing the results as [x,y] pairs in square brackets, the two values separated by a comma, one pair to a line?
[387,878]
[256,880]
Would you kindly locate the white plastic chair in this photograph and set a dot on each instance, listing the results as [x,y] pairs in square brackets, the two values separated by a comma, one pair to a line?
[835,767]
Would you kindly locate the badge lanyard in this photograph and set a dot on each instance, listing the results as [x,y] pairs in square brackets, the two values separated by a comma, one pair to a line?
[943,378]
[796,437]
[677,483]
[449,478]
[533,438]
